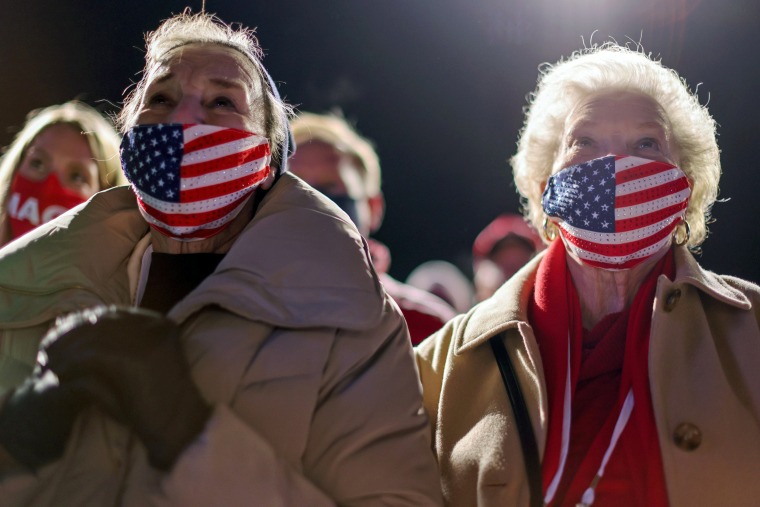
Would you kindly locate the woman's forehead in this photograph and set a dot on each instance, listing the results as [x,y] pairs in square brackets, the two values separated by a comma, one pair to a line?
[617,103]
[208,60]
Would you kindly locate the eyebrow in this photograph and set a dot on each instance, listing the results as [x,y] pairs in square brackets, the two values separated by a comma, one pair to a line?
[218,81]
[655,124]
[36,150]
[162,79]
[227,83]
[591,123]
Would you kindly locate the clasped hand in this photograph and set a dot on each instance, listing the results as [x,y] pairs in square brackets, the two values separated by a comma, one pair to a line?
[127,362]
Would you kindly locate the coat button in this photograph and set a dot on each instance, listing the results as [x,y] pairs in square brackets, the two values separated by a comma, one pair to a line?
[687,436]
[672,299]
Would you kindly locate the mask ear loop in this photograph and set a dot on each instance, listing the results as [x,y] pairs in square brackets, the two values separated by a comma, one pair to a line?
[550,229]
[686,236]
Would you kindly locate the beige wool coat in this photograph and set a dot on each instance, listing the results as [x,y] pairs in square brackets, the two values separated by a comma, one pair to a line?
[305,359]
[704,372]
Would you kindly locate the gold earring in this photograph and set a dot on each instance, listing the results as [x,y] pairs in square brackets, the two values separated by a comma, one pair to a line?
[685,236]
[550,229]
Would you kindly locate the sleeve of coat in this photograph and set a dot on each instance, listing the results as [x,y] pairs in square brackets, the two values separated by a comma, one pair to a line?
[367,442]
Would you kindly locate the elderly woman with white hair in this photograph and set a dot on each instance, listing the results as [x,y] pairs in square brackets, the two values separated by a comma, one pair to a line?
[612,369]
[236,346]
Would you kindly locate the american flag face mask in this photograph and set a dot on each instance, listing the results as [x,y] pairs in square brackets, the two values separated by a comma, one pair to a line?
[192,180]
[616,211]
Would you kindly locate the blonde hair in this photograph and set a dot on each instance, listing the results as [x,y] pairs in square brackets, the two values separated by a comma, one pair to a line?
[334,130]
[604,67]
[203,28]
[101,137]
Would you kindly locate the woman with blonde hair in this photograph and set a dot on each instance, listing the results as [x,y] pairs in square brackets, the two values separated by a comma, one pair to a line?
[60,158]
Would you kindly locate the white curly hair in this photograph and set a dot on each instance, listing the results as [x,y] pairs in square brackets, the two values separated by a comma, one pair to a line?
[605,67]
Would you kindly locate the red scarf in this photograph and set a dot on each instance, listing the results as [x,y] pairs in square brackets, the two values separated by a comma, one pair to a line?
[632,471]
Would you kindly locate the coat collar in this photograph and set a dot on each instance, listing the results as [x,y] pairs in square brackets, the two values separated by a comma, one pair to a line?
[688,271]
[507,308]
[300,262]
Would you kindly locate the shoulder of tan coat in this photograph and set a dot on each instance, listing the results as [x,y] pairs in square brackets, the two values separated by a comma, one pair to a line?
[432,355]
[298,263]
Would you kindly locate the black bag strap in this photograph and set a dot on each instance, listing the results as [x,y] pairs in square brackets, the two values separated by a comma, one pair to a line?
[522,420]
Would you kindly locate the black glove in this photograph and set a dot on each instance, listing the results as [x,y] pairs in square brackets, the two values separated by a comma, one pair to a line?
[37,417]
[137,357]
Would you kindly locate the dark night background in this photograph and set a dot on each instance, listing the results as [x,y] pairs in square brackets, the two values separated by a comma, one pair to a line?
[438,85]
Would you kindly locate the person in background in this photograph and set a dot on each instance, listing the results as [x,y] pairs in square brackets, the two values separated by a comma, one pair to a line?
[612,369]
[503,247]
[60,158]
[445,280]
[333,158]
[236,347]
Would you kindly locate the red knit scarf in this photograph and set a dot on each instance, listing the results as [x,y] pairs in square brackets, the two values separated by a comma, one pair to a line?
[632,472]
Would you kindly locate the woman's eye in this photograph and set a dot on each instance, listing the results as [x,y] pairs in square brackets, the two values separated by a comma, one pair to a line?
[649,144]
[158,99]
[222,102]
[583,142]
[78,178]
[37,164]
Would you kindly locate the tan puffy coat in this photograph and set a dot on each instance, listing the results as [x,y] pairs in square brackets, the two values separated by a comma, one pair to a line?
[292,339]
[704,372]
